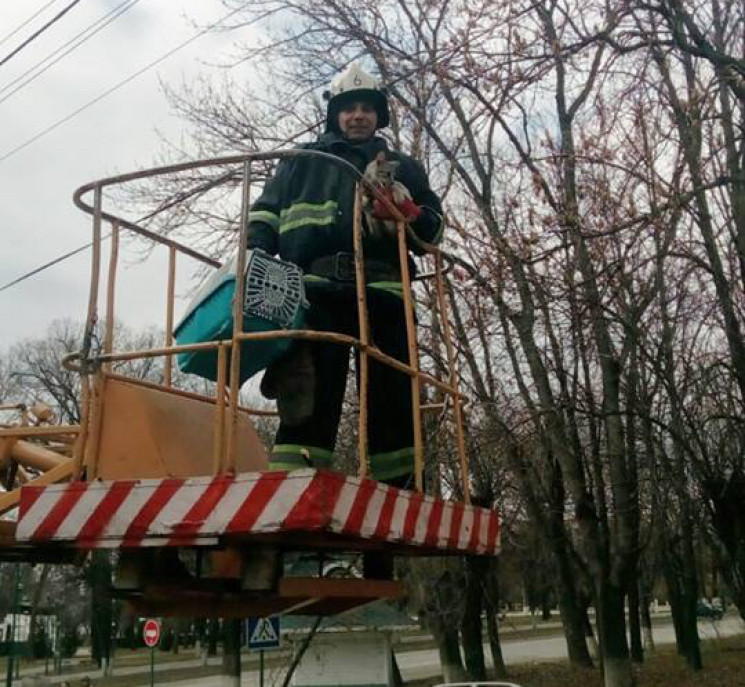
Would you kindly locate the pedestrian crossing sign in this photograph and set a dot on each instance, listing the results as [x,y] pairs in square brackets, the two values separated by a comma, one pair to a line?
[263,633]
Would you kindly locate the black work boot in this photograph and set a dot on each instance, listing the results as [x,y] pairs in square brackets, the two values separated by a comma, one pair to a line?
[291,380]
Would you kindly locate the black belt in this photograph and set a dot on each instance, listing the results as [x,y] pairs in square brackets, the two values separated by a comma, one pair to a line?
[340,267]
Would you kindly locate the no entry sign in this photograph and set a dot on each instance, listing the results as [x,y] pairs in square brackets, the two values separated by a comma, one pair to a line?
[151,632]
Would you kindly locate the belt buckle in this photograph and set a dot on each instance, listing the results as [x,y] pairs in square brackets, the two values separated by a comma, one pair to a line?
[344,267]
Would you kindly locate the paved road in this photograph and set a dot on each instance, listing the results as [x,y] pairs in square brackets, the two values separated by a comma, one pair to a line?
[425,663]
[422,664]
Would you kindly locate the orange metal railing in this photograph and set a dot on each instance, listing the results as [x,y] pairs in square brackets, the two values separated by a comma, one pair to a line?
[226,398]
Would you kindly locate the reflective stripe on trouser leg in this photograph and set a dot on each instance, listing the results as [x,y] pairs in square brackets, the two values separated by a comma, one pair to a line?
[395,288]
[385,466]
[317,434]
[294,457]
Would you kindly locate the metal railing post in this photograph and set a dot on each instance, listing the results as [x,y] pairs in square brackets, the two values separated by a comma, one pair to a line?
[411,337]
[87,405]
[170,296]
[364,332]
[108,342]
[240,278]
[454,378]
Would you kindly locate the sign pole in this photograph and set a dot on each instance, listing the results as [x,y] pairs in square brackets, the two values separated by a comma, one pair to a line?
[262,634]
[151,636]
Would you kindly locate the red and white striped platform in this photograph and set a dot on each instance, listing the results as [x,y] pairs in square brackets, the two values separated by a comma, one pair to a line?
[202,511]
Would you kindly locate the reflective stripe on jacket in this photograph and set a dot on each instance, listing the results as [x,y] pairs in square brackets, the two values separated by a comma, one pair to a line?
[306,209]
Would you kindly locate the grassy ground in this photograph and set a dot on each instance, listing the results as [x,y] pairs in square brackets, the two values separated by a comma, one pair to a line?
[724,666]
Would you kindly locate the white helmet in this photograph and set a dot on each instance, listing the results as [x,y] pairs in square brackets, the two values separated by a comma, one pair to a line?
[354,83]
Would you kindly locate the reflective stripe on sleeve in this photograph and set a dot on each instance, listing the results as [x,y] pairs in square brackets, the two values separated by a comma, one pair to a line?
[303,214]
[266,217]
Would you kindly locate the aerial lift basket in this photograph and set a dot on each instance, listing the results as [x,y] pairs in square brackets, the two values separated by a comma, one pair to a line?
[178,481]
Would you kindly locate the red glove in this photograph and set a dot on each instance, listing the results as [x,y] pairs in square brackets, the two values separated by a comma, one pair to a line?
[400,197]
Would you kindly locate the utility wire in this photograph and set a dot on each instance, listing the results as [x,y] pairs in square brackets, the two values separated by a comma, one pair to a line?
[117,86]
[37,33]
[182,197]
[22,24]
[51,263]
[80,249]
[90,30]
[70,254]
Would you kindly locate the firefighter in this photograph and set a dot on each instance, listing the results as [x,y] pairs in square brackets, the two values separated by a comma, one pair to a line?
[305,214]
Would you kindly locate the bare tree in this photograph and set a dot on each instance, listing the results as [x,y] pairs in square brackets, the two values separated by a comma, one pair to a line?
[596,198]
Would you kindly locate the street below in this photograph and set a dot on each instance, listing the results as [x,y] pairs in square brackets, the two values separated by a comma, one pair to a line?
[414,664]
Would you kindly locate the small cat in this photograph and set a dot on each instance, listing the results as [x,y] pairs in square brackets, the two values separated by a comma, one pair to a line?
[381,174]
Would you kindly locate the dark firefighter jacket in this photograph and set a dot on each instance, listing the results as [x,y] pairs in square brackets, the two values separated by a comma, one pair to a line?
[306,210]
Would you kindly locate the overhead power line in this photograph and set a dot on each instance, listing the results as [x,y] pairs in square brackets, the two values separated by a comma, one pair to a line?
[144,218]
[117,86]
[49,264]
[38,32]
[86,34]
[22,24]
[80,249]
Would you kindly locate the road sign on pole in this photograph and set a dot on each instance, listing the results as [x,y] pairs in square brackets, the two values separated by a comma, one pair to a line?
[263,633]
[151,635]
[151,632]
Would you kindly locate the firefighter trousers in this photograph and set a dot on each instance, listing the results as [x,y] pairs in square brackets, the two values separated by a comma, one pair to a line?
[390,433]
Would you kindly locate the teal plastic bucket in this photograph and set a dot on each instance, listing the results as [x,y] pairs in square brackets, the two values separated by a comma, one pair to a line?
[274,300]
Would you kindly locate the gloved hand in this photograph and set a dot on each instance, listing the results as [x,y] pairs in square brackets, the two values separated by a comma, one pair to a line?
[400,196]
[380,223]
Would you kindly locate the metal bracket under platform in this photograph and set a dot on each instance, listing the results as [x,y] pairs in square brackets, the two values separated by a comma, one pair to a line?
[294,596]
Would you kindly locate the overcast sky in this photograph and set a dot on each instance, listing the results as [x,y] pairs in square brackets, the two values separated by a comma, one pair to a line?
[38,220]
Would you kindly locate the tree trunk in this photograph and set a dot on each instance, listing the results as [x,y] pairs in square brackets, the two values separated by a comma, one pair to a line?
[99,575]
[728,539]
[448,647]
[200,644]
[614,648]
[690,596]
[646,619]
[231,657]
[590,638]
[491,605]
[492,628]
[213,634]
[635,627]
[35,601]
[471,633]
[572,614]
[675,597]
[545,610]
